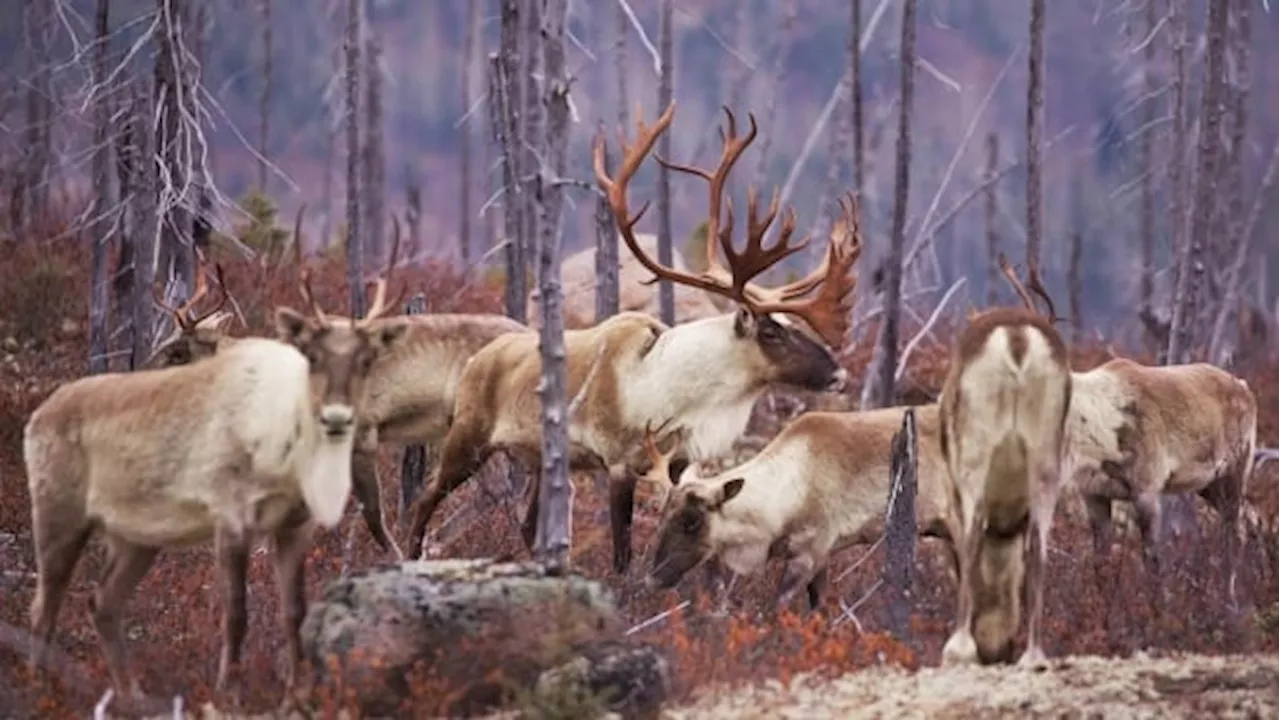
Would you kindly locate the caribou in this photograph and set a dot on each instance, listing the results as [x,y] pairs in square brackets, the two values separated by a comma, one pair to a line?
[252,442]
[410,388]
[632,371]
[1003,411]
[822,484]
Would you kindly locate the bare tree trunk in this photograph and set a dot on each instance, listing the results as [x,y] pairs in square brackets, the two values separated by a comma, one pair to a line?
[533,135]
[900,524]
[1147,217]
[504,131]
[555,504]
[620,68]
[173,97]
[330,161]
[989,212]
[145,226]
[514,202]
[354,241]
[1181,336]
[470,66]
[607,291]
[264,109]
[1230,201]
[1074,291]
[31,196]
[1035,122]
[202,224]
[1177,171]
[127,150]
[413,211]
[666,291]
[100,231]
[375,158]
[855,93]
[1232,295]
[888,340]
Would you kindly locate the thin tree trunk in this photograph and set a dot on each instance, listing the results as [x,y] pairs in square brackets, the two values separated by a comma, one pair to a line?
[990,210]
[354,240]
[173,97]
[1035,122]
[556,492]
[375,159]
[330,162]
[1147,217]
[514,202]
[264,109]
[1177,171]
[855,93]
[620,68]
[785,33]
[99,232]
[470,65]
[145,226]
[1181,335]
[1232,295]
[504,128]
[127,158]
[666,291]
[202,224]
[902,183]
[1074,290]
[607,295]
[32,192]
[533,137]
[413,211]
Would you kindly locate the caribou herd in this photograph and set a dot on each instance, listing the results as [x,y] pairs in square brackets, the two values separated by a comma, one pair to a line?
[238,439]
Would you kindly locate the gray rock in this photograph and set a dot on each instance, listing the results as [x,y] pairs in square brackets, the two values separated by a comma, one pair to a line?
[486,633]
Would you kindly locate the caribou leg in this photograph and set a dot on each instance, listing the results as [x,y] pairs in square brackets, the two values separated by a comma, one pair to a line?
[126,565]
[59,545]
[291,542]
[233,564]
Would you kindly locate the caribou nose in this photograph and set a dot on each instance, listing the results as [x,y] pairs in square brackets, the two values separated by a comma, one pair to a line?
[337,419]
[839,379]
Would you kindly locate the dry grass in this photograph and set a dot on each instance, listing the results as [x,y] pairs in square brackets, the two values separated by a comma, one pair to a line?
[1101,606]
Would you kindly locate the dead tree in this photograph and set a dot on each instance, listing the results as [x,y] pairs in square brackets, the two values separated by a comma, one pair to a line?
[174,145]
[666,291]
[333,118]
[900,526]
[413,210]
[470,63]
[1074,291]
[555,502]
[500,114]
[264,108]
[1035,124]
[620,67]
[533,135]
[127,159]
[100,230]
[354,240]
[888,339]
[30,198]
[989,213]
[1177,171]
[201,224]
[855,92]
[144,228]
[1192,257]
[1147,209]
[607,290]
[1232,297]
[374,158]
[413,463]
[784,35]
[514,202]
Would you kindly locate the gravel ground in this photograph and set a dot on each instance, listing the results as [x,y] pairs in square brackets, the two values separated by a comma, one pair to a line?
[1174,686]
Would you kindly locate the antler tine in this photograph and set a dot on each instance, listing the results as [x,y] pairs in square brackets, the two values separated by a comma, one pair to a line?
[223,296]
[615,189]
[829,312]
[304,289]
[732,147]
[756,258]
[379,305]
[659,460]
[1035,286]
[840,229]
[1012,276]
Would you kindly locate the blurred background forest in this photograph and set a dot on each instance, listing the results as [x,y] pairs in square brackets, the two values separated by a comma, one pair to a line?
[783,60]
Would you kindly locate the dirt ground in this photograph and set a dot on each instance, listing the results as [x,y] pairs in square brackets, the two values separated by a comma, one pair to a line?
[1172,686]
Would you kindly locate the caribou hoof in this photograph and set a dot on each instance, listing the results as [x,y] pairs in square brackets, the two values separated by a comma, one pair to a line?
[1033,658]
[961,649]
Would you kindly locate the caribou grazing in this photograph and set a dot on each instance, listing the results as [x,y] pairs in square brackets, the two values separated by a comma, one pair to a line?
[254,441]
[409,393]
[1137,433]
[701,378]
[822,484]
[578,280]
[1003,413]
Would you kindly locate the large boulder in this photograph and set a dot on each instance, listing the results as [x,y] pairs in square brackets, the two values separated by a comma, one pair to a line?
[482,635]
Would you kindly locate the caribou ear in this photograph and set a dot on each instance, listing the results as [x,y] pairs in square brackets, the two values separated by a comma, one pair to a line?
[676,468]
[292,327]
[729,491]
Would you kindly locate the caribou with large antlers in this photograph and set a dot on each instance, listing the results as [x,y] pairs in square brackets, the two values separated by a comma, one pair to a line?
[703,376]
[1004,408]
[409,391]
[253,441]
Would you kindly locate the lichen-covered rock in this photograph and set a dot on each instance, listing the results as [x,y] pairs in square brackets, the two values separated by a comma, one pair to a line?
[630,680]
[479,631]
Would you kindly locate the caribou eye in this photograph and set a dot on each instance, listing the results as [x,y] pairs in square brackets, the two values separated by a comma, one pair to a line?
[692,523]
[179,354]
[770,333]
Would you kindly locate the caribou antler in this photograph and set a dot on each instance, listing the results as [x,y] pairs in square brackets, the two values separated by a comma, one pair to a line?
[659,462]
[1033,283]
[379,306]
[824,313]
[202,288]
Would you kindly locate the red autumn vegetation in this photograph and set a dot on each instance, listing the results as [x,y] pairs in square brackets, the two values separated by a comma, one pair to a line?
[1096,606]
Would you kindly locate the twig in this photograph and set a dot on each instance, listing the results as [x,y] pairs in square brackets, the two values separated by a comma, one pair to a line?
[933,318]
[849,612]
[591,376]
[644,39]
[657,618]
[100,709]
[861,560]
